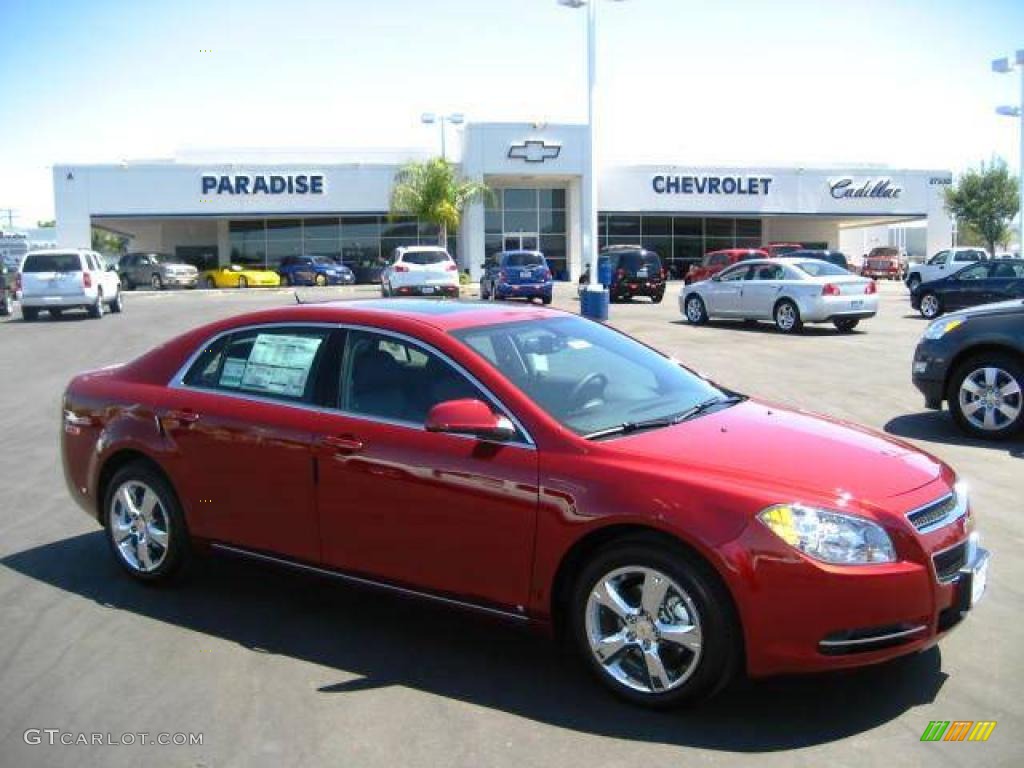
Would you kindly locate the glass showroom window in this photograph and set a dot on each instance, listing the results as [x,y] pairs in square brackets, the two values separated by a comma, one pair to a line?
[248,242]
[528,218]
[284,238]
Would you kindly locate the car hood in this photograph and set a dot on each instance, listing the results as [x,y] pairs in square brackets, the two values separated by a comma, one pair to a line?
[797,455]
[1011,307]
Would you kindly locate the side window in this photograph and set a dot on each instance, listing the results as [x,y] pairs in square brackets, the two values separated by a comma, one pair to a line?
[272,362]
[939,258]
[968,256]
[731,275]
[388,378]
[766,272]
[717,259]
[977,272]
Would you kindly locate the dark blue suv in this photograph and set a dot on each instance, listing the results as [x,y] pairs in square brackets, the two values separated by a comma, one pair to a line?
[517,275]
[314,270]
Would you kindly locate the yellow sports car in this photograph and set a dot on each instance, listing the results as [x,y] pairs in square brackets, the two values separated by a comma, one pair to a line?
[238,276]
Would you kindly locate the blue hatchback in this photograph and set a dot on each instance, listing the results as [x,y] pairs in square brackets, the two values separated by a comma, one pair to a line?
[314,270]
[517,275]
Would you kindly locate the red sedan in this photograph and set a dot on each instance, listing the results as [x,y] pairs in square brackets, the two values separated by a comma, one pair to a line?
[535,466]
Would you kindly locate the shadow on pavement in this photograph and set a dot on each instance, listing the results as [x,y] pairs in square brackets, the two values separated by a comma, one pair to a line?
[766,326]
[938,427]
[384,641]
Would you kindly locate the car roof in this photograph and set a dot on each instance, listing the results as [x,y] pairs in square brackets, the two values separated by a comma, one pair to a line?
[59,251]
[408,248]
[521,250]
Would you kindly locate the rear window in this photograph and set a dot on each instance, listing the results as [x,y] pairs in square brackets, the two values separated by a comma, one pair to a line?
[523,260]
[425,257]
[53,262]
[782,250]
[969,256]
[634,260]
[819,268]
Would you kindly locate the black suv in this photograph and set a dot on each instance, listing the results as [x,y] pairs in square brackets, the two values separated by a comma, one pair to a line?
[974,360]
[628,271]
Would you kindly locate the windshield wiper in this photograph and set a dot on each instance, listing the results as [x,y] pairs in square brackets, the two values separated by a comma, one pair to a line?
[629,427]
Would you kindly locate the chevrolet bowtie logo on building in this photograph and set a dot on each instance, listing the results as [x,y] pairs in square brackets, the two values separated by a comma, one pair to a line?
[958,730]
[534,151]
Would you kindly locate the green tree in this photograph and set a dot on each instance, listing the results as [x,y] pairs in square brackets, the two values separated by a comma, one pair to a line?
[47,224]
[108,243]
[432,192]
[984,202]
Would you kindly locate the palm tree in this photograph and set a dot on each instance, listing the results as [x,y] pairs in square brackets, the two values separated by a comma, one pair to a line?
[432,191]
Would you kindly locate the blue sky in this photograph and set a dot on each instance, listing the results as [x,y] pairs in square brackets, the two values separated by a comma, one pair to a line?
[901,82]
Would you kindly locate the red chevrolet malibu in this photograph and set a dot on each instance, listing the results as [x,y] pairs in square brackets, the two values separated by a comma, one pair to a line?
[535,466]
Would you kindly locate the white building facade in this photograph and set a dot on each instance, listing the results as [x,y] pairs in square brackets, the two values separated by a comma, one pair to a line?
[220,210]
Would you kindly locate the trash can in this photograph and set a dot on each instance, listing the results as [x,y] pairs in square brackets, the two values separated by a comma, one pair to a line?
[594,302]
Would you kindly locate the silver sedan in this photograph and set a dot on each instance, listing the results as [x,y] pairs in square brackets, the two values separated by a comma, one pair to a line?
[789,292]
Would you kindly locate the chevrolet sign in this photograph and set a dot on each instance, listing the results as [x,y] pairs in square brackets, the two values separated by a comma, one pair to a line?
[534,151]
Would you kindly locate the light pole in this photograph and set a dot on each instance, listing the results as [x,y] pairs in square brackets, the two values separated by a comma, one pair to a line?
[594,300]
[455,118]
[1004,66]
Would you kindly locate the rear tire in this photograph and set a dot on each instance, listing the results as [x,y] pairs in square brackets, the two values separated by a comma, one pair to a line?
[209,284]
[117,305]
[286,280]
[157,283]
[694,604]
[845,325]
[320,280]
[56,314]
[696,312]
[966,403]
[6,305]
[96,310]
[787,317]
[930,306]
[545,300]
[242,282]
[657,298]
[29,314]
[162,531]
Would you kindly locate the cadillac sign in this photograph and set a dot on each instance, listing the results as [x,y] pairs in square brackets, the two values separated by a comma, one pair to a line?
[847,188]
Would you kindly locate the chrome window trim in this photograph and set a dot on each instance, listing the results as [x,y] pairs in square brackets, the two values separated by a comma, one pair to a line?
[872,640]
[363,581]
[178,380]
[959,511]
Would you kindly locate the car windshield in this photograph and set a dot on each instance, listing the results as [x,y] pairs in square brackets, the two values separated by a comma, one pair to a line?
[425,257]
[165,258]
[523,260]
[816,268]
[782,250]
[589,377]
[53,262]
[325,261]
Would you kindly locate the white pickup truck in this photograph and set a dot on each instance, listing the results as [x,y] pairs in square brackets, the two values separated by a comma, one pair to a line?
[67,279]
[944,263]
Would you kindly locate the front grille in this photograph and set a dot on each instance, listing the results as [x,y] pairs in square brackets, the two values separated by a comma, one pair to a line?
[949,562]
[935,513]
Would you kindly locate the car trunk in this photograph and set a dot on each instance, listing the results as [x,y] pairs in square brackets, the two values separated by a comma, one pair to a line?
[52,275]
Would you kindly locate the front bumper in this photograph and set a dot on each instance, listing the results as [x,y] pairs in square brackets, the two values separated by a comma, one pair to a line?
[180,281]
[929,370]
[800,615]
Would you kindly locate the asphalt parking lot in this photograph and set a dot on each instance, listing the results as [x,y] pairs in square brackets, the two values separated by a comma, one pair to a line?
[275,668]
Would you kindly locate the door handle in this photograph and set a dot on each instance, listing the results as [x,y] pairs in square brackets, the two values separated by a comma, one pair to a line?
[342,444]
[182,416]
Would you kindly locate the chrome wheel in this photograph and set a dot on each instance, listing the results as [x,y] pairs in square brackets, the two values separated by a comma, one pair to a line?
[990,399]
[785,316]
[930,306]
[694,310]
[139,526]
[643,629]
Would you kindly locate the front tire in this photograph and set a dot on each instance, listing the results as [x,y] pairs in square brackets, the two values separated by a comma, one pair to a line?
[913,282]
[157,283]
[653,625]
[986,396]
[696,312]
[931,306]
[29,314]
[787,317]
[6,305]
[320,280]
[209,283]
[117,305]
[846,324]
[242,282]
[145,526]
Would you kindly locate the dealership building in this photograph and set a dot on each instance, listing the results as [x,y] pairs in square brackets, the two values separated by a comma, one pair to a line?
[258,208]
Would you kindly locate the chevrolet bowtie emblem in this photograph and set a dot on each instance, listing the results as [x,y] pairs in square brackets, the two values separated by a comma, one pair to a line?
[534,151]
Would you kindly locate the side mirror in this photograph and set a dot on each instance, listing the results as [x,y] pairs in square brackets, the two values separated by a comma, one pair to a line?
[469,417]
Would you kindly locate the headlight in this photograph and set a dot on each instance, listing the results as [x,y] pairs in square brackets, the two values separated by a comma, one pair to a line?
[831,537]
[941,327]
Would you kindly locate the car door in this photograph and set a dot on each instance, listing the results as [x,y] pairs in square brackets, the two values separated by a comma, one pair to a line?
[1004,281]
[437,512]
[935,268]
[761,287]
[966,288]
[108,278]
[722,292]
[241,423]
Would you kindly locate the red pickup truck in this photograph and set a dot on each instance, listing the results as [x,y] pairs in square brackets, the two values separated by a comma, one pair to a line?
[715,261]
[882,262]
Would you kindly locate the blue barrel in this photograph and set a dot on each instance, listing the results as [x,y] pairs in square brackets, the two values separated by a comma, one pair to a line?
[604,272]
[594,303]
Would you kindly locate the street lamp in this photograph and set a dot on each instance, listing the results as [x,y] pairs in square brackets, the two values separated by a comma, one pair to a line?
[594,300]
[455,118]
[1005,66]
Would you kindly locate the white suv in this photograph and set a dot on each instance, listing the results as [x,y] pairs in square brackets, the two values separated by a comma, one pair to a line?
[420,270]
[943,263]
[67,279]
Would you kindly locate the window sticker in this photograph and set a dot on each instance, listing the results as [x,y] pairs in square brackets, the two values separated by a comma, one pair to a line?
[231,376]
[278,365]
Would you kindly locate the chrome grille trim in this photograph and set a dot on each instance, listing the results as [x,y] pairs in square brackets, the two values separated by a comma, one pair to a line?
[941,512]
